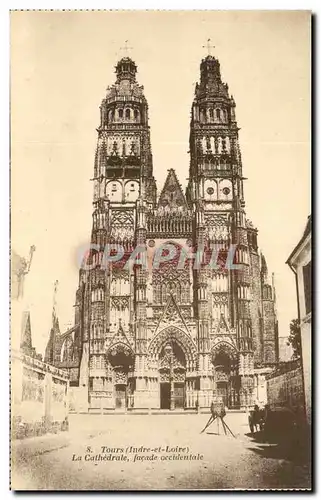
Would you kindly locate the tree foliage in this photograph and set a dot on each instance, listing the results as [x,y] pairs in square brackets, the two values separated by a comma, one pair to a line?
[294,338]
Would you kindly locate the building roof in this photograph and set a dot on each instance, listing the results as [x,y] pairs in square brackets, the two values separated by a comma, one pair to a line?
[26,339]
[306,233]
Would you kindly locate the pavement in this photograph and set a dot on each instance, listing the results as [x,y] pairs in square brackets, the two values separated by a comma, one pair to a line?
[154,452]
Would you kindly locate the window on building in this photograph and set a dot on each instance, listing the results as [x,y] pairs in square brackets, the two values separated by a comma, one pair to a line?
[164,293]
[120,113]
[158,293]
[127,113]
[218,114]
[185,293]
[135,114]
[211,114]
[307,287]
[176,291]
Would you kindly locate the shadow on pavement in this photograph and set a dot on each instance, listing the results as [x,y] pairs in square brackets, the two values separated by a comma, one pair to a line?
[294,448]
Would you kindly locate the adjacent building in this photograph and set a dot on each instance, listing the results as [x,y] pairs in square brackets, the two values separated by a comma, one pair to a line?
[300,263]
[39,391]
[284,387]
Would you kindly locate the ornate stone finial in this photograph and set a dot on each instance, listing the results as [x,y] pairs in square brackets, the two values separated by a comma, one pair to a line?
[126,49]
[126,68]
[208,46]
[54,302]
[21,268]
[31,251]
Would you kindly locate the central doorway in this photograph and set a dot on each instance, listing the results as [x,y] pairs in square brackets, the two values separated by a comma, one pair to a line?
[172,370]
[222,392]
[165,396]
[225,377]
[179,395]
[120,396]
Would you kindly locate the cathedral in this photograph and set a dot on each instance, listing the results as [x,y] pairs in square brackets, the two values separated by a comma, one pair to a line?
[169,336]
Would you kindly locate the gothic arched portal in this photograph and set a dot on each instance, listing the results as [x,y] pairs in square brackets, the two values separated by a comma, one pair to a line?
[173,352]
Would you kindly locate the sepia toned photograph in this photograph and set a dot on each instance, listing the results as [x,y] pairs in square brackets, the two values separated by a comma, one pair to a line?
[160,253]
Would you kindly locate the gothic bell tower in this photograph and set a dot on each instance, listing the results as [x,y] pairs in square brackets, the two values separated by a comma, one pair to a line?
[215,190]
[114,304]
[123,165]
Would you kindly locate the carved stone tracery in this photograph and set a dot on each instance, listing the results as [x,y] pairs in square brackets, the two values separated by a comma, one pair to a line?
[122,225]
[174,335]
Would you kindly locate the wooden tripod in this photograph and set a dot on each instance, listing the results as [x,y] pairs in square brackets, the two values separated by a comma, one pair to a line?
[224,424]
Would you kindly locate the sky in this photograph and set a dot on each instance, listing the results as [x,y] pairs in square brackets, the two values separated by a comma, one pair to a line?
[61,65]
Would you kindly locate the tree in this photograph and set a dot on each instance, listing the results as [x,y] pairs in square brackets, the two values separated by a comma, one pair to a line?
[294,338]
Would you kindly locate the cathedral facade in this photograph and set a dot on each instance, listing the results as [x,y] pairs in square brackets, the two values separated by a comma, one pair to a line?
[175,331]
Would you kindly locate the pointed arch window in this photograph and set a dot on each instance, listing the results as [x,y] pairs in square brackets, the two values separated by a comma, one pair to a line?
[164,293]
[158,293]
[185,293]
[120,113]
[218,114]
[68,350]
[211,113]
[176,291]
[127,114]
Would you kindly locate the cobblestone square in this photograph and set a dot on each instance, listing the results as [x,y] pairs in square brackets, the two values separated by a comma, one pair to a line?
[182,458]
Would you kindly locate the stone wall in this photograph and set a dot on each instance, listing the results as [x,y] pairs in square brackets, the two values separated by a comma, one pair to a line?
[285,387]
[39,397]
[260,384]
[256,307]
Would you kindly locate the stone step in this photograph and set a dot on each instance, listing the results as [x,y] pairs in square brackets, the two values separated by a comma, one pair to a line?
[144,411]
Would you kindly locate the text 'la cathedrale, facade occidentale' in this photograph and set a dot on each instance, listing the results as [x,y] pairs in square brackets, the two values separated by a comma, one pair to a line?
[169,336]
